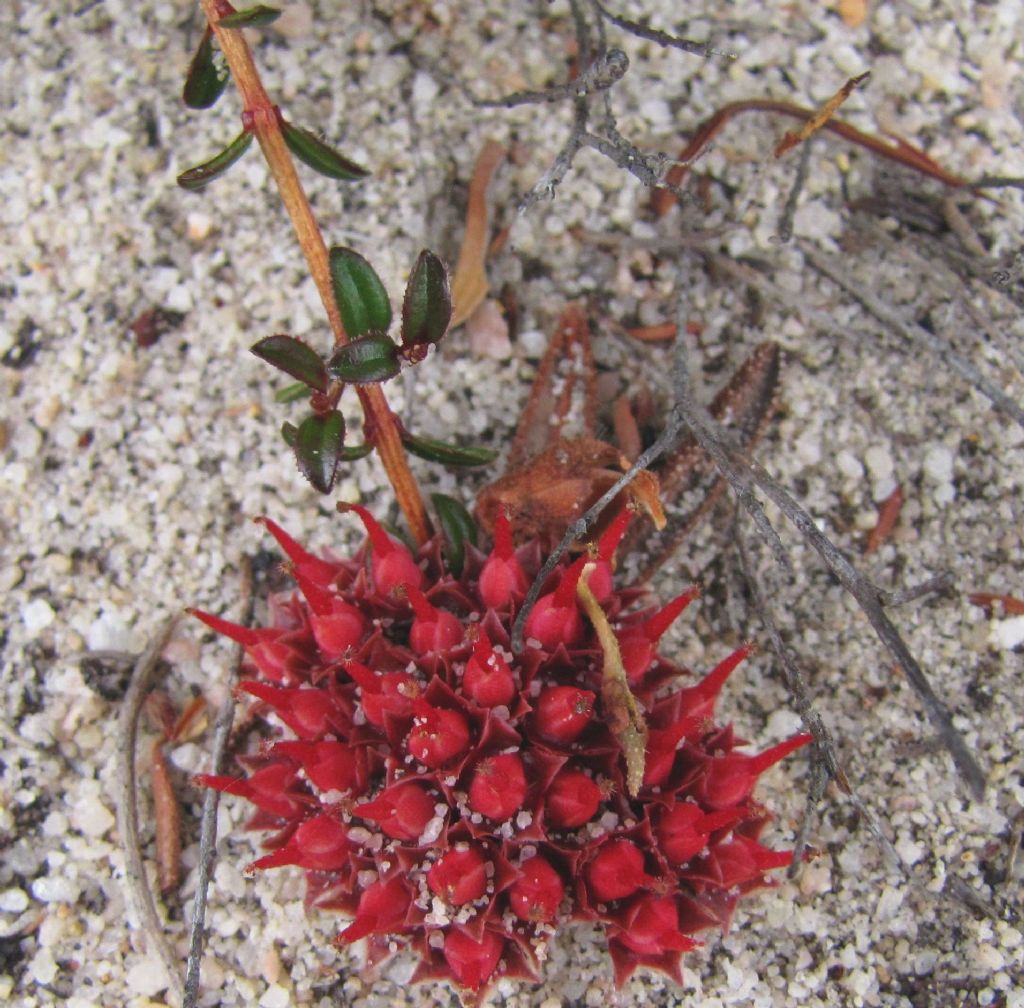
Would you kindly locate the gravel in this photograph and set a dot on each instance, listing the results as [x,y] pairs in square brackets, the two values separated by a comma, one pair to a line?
[129,474]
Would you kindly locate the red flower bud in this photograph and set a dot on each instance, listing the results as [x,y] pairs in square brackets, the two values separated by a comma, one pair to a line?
[684,829]
[572,799]
[738,862]
[384,694]
[330,766]
[555,619]
[699,701]
[600,581]
[402,811]
[392,564]
[728,780]
[382,909]
[438,735]
[460,876]
[616,871]
[638,644]
[337,626]
[432,629]
[276,660]
[662,744]
[320,844]
[487,678]
[537,893]
[502,579]
[650,927]
[322,572]
[310,713]
[562,713]
[273,788]
[472,962]
[498,787]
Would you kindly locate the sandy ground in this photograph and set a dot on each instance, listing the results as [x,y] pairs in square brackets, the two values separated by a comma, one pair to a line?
[129,474]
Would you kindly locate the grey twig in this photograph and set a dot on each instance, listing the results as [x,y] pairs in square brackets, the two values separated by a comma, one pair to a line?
[915,334]
[606,70]
[939,583]
[208,826]
[140,895]
[825,763]
[661,38]
[785,228]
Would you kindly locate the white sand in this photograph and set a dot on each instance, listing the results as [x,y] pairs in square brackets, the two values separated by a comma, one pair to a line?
[128,475]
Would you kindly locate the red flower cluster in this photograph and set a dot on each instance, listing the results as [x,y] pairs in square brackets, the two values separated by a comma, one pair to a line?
[465,802]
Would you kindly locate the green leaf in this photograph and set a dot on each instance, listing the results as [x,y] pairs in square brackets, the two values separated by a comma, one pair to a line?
[427,306]
[294,358]
[447,454]
[290,432]
[311,150]
[204,83]
[458,527]
[353,452]
[251,17]
[291,393]
[319,442]
[202,175]
[359,293]
[369,359]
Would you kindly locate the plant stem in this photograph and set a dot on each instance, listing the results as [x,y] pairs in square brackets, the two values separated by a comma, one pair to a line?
[381,424]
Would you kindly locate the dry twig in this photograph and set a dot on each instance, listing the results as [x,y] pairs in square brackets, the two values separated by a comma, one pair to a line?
[140,896]
[208,822]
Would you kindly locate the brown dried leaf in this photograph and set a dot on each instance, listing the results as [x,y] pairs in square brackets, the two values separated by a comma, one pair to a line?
[888,515]
[469,284]
[167,816]
[623,714]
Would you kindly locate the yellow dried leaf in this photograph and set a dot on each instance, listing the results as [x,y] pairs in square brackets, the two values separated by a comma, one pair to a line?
[821,116]
[623,716]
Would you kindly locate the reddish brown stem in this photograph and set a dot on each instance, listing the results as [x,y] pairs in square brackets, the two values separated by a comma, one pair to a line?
[899,150]
[261,116]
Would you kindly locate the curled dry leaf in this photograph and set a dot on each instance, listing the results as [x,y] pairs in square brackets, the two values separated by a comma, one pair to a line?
[469,284]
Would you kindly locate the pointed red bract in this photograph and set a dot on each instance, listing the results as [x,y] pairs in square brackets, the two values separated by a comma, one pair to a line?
[502,579]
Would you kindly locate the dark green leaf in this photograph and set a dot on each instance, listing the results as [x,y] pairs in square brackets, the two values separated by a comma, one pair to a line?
[352,452]
[361,297]
[458,527]
[319,443]
[291,393]
[311,150]
[204,83]
[369,359]
[251,17]
[447,454]
[201,175]
[427,307]
[294,358]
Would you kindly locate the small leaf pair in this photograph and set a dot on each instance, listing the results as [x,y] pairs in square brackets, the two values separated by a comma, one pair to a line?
[366,314]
